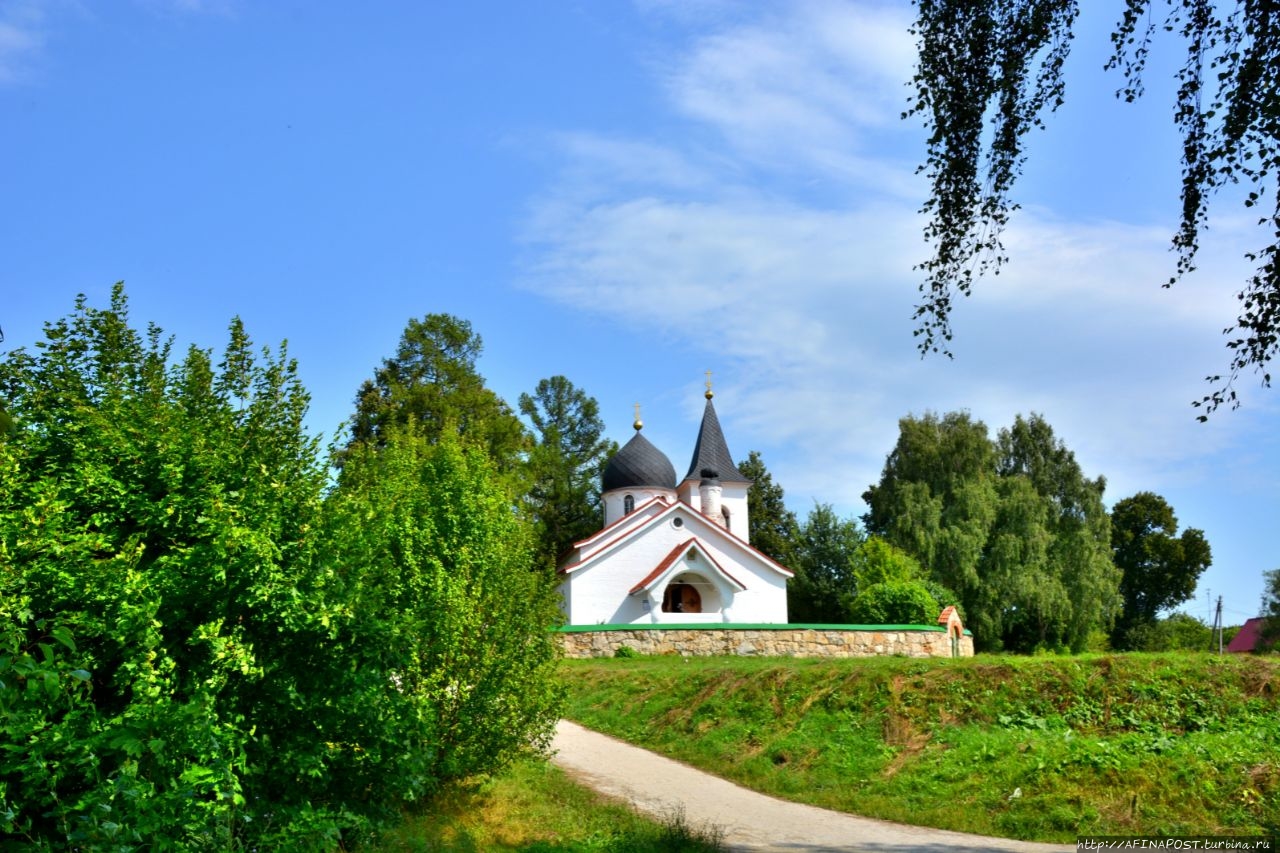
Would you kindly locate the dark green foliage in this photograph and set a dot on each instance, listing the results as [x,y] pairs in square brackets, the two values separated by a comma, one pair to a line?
[196,651]
[774,528]
[900,602]
[1160,569]
[565,465]
[1075,591]
[1176,632]
[823,567]
[433,381]
[1271,608]
[988,72]
[1011,526]
[844,577]
[891,588]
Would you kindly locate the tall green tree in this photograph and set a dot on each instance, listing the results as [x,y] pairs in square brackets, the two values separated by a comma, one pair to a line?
[1012,526]
[773,528]
[565,464]
[1078,592]
[1159,568]
[937,500]
[988,72]
[823,567]
[433,380]
[1271,608]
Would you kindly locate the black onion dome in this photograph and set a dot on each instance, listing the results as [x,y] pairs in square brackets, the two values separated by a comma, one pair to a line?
[711,452]
[639,465]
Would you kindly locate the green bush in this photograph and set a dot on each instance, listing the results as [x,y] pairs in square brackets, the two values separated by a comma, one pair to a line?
[198,651]
[894,603]
[437,613]
[1176,632]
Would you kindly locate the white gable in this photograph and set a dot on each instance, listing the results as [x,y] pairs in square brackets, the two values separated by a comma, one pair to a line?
[623,574]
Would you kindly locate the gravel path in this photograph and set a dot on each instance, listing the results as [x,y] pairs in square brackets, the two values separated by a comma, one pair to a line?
[753,823]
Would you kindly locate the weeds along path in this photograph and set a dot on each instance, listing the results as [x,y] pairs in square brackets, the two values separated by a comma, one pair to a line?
[752,822]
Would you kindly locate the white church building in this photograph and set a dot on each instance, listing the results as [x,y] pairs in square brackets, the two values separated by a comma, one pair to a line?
[673,552]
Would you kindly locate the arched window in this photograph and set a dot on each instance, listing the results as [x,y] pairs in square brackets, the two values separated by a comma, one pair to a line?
[628,505]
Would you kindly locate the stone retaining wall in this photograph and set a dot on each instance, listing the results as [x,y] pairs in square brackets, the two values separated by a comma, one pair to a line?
[767,641]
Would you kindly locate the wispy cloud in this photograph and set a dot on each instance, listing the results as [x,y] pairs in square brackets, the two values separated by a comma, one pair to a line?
[28,26]
[792,243]
[22,38]
[804,89]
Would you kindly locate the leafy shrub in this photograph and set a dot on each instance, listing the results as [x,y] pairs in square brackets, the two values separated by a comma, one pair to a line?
[894,603]
[876,561]
[435,610]
[197,650]
[1176,632]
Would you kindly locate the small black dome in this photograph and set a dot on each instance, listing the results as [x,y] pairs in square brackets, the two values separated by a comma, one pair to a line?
[639,465]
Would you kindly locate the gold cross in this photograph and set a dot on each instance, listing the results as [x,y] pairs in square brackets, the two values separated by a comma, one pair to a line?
[639,423]
[709,394]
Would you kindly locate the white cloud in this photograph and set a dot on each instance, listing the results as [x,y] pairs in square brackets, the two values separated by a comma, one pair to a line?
[811,300]
[22,38]
[803,89]
[26,25]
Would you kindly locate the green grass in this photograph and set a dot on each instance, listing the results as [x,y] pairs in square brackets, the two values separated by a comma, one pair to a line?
[535,808]
[1034,748]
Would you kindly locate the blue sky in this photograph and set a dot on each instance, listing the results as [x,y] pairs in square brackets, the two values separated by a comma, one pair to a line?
[630,194]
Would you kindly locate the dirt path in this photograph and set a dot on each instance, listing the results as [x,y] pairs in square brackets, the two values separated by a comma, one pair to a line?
[753,823]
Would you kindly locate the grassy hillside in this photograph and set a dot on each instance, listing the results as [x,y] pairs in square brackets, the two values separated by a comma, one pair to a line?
[1034,748]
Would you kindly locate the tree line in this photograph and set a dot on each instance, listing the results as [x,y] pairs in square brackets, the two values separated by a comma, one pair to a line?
[1008,529]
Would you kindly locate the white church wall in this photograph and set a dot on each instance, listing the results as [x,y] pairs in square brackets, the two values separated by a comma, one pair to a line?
[733,498]
[601,592]
[615,501]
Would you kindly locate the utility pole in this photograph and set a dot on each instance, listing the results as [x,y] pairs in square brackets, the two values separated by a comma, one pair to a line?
[1217,624]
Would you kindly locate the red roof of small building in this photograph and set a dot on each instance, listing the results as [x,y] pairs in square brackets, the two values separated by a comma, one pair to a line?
[1249,637]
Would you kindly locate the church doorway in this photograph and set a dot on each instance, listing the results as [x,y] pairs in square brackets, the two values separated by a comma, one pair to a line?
[681,598]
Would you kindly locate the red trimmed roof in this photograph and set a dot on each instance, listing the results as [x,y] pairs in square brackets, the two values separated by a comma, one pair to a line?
[640,520]
[675,555]
[633,516]
[1249,637]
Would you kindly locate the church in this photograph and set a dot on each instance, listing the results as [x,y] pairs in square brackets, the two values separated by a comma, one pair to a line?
[673,552]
